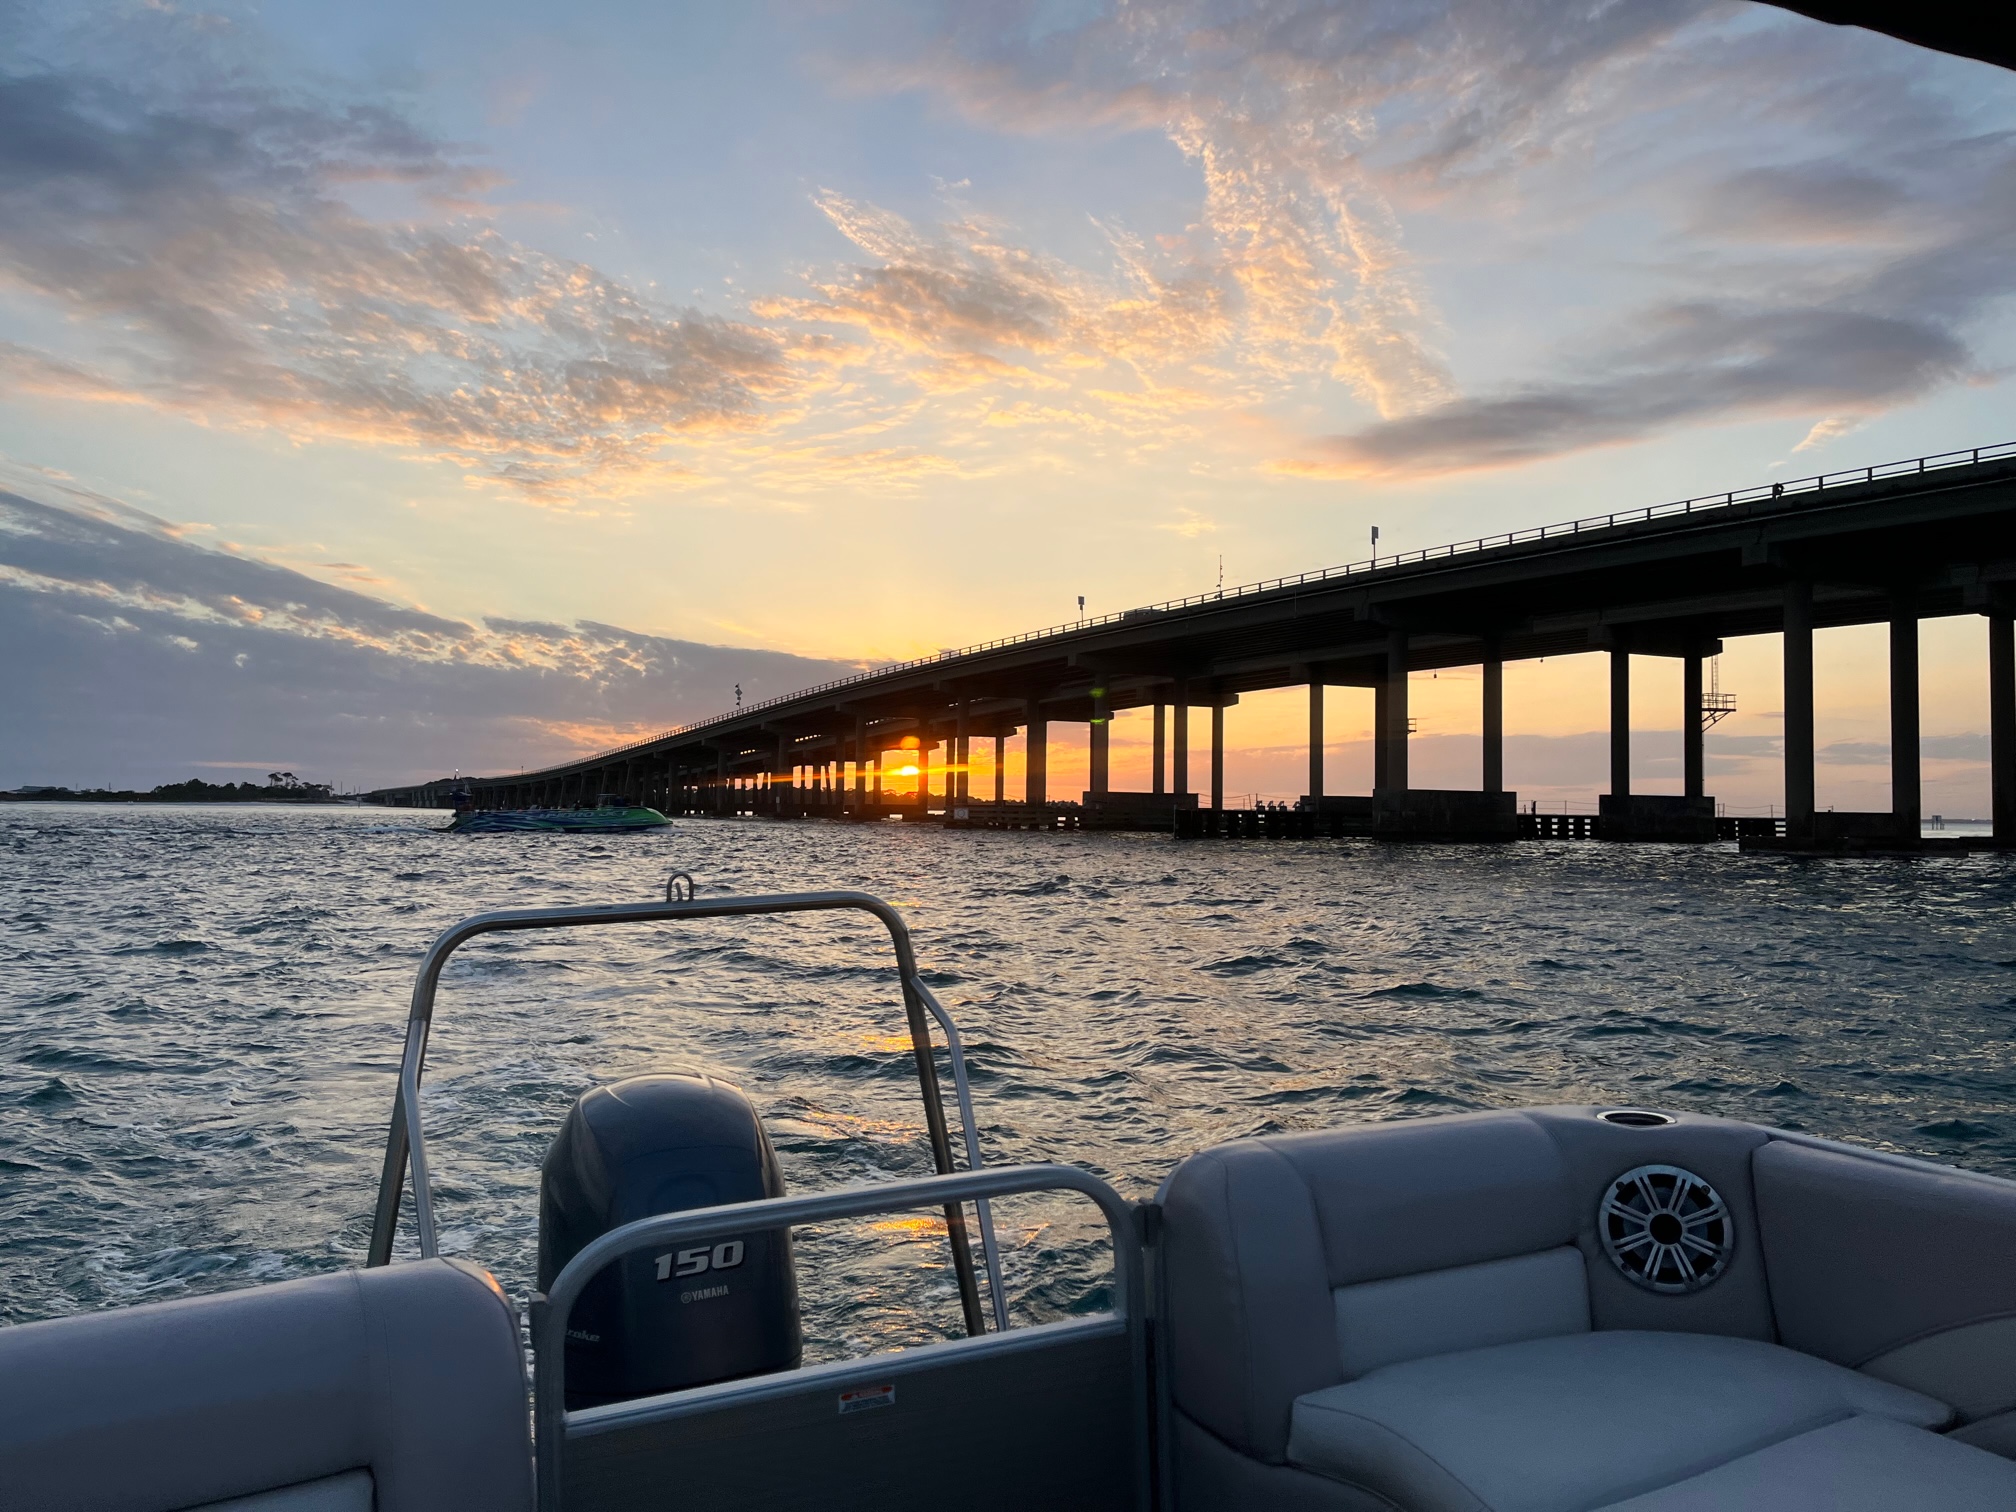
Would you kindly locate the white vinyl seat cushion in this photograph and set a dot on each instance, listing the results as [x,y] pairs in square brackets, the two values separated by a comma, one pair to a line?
[1864,1464]
[1579,1421]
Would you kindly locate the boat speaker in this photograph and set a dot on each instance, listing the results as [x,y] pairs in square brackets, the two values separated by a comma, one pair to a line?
[1666,1229]
[661,1320]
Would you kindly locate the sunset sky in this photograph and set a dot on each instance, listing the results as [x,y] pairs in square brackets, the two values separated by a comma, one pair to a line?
[389,389]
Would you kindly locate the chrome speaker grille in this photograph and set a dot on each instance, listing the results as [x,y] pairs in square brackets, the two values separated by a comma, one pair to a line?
[1666,1229]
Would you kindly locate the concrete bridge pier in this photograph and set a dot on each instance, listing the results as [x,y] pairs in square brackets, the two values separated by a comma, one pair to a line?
[1036,756]
[1400,811]
[1906,791]
[1217,754]
[956,787]
[860,754]
[1900,828]
[2002,721]
[1799,712]
[1693,729]
[1379,740]
[1393,738]
[1805,827]
[1622,814]
[1620,722]
[1494,722]
[1315,743]
[1158,776]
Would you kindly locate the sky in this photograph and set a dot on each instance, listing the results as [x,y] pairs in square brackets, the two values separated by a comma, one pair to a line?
[390,390]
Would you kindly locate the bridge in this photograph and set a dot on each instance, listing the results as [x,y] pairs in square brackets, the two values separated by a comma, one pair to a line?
[1893,544]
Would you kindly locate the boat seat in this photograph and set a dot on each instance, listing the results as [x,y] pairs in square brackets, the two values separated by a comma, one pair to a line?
[1583,1420]
[1421,1316]
[400,1389]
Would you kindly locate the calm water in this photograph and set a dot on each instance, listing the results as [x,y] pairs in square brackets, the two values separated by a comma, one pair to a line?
[203,1010]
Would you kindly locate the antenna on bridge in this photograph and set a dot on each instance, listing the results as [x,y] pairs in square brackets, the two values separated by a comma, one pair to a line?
[1375,545]
[1221,574]
[1081,606]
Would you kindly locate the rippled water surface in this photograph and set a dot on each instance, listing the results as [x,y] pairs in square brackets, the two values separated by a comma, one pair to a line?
[203,1011]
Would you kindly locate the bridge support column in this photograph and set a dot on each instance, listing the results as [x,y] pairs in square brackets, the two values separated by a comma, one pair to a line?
[1179,744]
[1395,741]
[1799,712]
[1693,733]
[1906,794]
[1620,724]
[955,783]
[2002,722]
[1101,752]
[1036,759]
[1381,736]
[1000,768]
[1494,721]
[924,779]
[1160,738]
[1217,754]
[1315,743]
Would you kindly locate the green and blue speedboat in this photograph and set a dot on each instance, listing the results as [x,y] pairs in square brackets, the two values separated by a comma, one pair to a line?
[611,819]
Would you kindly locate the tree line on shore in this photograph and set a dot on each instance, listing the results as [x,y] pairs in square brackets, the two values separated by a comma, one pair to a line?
[279,787]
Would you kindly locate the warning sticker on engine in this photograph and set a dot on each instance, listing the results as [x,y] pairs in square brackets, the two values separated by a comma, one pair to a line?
[861,1398]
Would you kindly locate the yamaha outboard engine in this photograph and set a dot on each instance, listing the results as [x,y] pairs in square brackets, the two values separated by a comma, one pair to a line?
[652,1321]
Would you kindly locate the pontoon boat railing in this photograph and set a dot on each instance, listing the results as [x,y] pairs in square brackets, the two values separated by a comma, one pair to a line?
[406,1141]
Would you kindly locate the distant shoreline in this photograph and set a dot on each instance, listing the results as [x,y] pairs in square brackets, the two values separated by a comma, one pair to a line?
[192,791]
[171,802]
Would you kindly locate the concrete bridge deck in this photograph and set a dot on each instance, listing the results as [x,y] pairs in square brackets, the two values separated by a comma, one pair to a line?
[1930,537]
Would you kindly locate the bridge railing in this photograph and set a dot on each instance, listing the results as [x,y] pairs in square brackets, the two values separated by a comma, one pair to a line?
[1702,502]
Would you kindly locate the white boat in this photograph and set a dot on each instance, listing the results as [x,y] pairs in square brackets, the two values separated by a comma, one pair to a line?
[1539,1310]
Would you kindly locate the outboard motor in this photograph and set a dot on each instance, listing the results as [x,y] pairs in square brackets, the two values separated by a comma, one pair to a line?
[654,1322]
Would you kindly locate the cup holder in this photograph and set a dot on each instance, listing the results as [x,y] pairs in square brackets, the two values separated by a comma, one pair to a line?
[1636,1118]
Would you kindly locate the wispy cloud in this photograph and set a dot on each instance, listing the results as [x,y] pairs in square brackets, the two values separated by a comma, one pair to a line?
[1297,266]
[205,233]
[1694,363]
[1840,278]
[1831,287]
[1794,223]
[1189,524]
